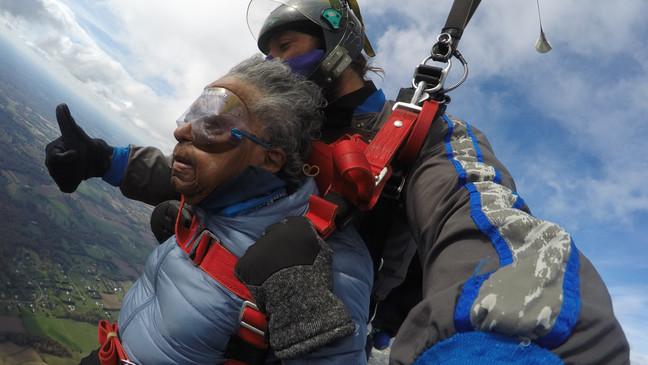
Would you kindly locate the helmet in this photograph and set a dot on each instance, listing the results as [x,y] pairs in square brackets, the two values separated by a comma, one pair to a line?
[341,30]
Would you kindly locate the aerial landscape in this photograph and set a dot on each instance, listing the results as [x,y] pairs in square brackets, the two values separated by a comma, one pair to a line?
[569,125]
[65,260]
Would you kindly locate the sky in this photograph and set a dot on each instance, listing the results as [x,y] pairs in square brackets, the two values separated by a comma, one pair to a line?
[570,125]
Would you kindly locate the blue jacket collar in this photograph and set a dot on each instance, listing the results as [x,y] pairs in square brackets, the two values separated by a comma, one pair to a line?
[252,189]
[373,104]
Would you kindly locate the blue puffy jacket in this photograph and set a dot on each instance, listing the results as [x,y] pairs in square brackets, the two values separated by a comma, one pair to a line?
[176,314]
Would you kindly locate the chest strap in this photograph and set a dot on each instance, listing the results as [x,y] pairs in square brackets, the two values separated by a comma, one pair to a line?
[357,170]
[249,345]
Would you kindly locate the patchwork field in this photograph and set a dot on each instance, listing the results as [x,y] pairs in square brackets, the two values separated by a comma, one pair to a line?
[10,324]
[77,336]
[11,354]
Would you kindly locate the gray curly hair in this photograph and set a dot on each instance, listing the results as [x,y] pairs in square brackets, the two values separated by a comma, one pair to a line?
[290,109]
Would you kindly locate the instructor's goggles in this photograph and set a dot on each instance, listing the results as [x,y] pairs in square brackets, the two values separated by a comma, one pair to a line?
[218,121]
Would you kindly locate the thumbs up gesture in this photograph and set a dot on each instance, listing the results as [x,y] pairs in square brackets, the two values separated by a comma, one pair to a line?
[75,156]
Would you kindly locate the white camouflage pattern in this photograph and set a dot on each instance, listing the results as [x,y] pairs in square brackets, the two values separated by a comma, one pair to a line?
[524,297]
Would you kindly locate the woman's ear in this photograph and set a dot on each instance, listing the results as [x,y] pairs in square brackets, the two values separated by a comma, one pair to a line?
[274,160]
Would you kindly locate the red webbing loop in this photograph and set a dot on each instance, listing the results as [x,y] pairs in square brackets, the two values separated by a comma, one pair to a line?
[110,350]
[351,163]
[321,157]
[321,213]
[419,132]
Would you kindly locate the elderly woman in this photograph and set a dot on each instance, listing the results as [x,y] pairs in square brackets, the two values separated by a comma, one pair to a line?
[238,163]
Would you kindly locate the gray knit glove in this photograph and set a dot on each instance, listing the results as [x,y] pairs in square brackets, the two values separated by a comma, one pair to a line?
[288,272]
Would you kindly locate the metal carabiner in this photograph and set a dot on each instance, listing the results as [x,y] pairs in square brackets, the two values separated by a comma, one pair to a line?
[420,90]
[464,63]
[442,76]
[444,42]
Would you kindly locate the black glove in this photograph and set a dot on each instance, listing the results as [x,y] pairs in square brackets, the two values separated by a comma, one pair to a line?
[74,156]
[164,217]
[288,272]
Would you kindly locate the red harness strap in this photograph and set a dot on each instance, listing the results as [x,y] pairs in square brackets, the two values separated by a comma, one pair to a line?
[321,214]
[357,170]
[419,132]
[219,263]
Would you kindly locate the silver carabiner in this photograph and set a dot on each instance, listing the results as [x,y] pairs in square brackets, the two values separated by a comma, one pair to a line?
[446,40]
[442,78]
[420,89]
[464,63]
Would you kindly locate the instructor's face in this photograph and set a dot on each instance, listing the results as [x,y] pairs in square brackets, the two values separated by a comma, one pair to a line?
[289,44]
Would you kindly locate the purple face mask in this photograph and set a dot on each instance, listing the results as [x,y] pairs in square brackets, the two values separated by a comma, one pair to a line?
[305,64]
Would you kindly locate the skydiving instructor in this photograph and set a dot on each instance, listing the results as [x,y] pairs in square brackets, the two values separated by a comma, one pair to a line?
[498,285]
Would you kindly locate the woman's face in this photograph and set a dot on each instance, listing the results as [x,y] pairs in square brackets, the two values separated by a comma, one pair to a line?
[289,44]
[197,169]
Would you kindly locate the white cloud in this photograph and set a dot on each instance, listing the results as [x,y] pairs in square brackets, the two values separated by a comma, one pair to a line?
[592,85]
[183,45]
[51,28]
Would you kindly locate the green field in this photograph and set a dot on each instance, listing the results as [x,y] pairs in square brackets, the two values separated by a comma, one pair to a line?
[78,337]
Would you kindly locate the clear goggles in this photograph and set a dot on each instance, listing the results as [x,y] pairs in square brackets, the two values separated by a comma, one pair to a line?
[219,120]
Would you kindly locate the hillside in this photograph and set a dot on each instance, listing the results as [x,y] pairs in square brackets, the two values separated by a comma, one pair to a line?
[65,260]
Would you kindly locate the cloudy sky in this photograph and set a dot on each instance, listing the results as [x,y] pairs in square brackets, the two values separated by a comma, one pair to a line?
[570,125]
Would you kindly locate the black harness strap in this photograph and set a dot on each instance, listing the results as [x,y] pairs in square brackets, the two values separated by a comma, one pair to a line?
[460,14]
[448,41]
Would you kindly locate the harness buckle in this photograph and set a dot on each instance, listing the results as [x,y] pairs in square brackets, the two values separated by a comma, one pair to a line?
[249,326]
[201,245]
[381,175]
[394,187]
[407,106]
[434,77]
